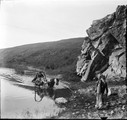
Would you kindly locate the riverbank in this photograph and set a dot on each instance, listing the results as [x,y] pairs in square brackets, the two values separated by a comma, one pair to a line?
[82,103]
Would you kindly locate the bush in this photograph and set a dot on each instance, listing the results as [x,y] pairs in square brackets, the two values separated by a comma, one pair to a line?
[68,76]
[20,69]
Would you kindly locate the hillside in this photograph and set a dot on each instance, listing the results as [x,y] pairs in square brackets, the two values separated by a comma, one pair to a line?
[49,55]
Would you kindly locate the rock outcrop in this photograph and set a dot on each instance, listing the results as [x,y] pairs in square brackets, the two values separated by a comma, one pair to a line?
[104,49]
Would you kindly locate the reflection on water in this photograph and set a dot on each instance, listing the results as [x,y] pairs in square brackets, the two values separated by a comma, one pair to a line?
[52,93]
[17,102]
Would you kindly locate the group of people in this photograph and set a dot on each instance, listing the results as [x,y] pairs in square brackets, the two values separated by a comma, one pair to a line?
[101,88]
[40,80]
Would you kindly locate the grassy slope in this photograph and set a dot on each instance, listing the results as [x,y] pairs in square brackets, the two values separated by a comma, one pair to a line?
[57,57]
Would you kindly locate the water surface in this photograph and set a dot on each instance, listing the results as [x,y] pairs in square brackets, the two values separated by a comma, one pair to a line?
[18,102]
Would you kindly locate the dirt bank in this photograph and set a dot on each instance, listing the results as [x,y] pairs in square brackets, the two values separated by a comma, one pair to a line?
[82,103]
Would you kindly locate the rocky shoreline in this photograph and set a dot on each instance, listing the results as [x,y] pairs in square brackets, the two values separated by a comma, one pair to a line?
[82,104]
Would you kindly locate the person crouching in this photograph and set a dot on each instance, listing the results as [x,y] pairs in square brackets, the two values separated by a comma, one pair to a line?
[40,79]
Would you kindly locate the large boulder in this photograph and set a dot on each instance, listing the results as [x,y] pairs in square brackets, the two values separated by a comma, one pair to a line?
[60,100]
[106,45]
[118,29]
[99,27]
[117,60]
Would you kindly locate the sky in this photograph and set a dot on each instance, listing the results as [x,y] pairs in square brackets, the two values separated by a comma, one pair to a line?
[33,21]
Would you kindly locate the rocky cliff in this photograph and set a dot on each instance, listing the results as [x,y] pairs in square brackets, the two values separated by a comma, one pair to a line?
[104,49]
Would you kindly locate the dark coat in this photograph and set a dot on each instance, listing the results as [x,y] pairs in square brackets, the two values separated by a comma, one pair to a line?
[102,86]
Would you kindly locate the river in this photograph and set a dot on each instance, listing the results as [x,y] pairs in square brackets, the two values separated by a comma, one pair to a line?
[18,101]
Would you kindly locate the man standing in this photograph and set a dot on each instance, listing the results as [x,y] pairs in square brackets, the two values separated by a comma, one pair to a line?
[101,89]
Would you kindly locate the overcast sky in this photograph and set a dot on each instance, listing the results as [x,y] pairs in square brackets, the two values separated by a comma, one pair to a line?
[32,21]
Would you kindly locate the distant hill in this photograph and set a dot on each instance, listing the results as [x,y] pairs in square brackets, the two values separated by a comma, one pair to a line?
[49,55]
